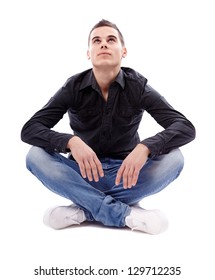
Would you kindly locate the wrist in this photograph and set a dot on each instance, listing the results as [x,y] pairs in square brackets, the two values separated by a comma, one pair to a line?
[144,148]
[71,142]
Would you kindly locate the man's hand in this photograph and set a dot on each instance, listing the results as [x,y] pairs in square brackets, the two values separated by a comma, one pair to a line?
[131,166]
[89,164]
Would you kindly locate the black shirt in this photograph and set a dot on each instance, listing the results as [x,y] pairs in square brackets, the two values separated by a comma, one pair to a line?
[108,127]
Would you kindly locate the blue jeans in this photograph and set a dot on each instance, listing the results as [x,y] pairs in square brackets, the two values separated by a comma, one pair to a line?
[103,201]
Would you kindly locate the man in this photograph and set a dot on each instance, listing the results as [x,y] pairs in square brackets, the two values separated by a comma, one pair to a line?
[109,170]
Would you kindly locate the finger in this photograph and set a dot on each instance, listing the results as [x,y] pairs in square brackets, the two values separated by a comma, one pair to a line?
[130,177]
[119,175]
[125,178]
[99,167]
[82,170]
[94,171]
[88,171]
[135,177]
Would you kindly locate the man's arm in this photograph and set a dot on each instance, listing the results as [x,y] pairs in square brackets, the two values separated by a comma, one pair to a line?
[37,131]
[178,131]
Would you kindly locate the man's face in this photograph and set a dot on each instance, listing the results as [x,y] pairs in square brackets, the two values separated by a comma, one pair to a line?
[105,48]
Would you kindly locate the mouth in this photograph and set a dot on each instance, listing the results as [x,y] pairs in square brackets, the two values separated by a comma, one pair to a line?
[104,53]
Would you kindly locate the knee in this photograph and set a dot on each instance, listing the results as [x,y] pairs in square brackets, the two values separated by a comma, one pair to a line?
[34,157]
[177,160]
[179,157]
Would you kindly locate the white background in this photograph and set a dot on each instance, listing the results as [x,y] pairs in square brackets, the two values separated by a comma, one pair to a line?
[45,42]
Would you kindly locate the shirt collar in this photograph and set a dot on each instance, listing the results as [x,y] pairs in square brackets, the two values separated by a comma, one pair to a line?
[90,80]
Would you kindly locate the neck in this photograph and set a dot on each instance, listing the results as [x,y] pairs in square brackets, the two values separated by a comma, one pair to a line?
[105,77]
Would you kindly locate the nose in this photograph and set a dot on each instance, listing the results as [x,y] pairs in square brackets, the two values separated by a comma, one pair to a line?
[104,45]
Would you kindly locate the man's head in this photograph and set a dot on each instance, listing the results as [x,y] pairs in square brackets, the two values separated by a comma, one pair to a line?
[104,22]
[106,46]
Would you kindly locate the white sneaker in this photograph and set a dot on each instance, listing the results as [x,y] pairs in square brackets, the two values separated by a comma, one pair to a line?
[148,221]
[64,216]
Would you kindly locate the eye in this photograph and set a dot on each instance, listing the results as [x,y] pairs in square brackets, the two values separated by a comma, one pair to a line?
[96,41]
[111,40]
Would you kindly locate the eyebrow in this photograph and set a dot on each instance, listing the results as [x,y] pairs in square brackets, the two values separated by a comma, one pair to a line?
[109,36]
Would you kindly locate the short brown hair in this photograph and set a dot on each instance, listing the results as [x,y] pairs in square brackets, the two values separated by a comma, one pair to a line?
[105,22]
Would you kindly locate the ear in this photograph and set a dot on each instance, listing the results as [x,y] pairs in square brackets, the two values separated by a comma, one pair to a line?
[88,54]
[124,52]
